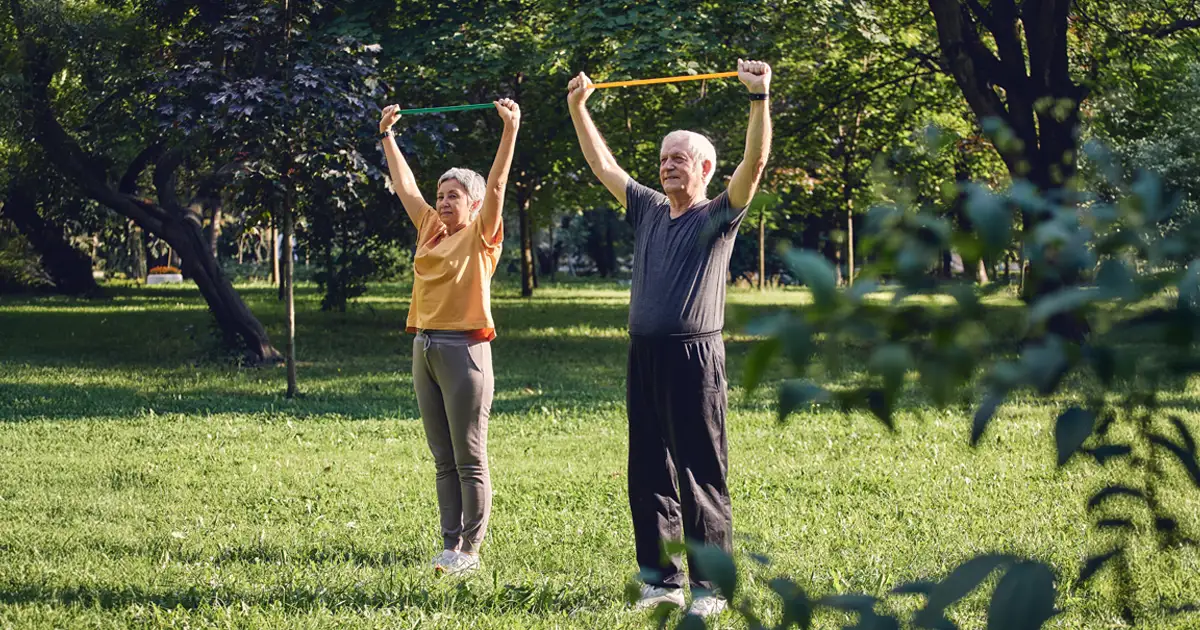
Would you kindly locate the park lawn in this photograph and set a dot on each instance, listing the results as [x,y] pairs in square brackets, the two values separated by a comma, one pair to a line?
[146,482]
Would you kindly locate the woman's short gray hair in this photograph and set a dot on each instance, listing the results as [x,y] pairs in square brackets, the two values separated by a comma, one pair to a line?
[697,146]
[468,179]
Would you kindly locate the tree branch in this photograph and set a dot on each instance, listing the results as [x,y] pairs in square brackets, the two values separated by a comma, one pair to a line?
[164,180]
[60,148]
[1164,31]
[128,185]
[983,15]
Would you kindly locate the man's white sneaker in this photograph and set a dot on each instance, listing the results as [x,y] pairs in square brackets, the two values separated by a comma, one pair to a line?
[443,559]
[707,606]
[652,596]
[461,564]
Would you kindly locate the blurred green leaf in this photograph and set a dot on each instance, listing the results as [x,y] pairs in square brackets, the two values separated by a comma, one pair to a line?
[1115,280]
[962,580]
[757,361]
[891,361]
[1043,365]
[718,566]
[795,394]
[814,271]
[1061,301]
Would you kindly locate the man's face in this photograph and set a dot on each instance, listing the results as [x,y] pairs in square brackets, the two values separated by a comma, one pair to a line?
[678,171]
[453,205]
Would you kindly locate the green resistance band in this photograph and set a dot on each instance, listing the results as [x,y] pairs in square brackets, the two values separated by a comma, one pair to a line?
[448,108]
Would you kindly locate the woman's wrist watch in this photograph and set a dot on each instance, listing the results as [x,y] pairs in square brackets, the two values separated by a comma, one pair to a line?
[386,134]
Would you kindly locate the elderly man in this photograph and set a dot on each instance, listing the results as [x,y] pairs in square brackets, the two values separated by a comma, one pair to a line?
[675,380]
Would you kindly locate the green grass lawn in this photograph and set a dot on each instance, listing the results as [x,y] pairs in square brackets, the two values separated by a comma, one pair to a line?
[144,482]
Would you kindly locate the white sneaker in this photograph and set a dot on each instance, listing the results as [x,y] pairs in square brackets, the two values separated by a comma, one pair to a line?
[707,606]
[652,596]
[460,564]
[443,559]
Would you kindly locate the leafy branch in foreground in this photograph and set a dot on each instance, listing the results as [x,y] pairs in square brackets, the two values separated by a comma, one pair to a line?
[1119,264]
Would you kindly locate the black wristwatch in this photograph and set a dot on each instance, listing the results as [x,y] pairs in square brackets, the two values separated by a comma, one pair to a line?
[758,97]
[385,134]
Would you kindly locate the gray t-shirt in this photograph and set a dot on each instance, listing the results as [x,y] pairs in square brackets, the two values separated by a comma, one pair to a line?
[679,265]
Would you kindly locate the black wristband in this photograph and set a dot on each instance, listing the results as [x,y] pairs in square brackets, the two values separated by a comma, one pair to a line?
[758,97]
[385,134]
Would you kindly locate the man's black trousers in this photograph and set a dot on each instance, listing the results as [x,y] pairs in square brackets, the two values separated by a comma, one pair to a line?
[678,454]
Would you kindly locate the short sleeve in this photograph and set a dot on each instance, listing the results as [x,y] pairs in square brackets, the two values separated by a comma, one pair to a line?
[639,199]
[428,225]
[489,244]
[728,218]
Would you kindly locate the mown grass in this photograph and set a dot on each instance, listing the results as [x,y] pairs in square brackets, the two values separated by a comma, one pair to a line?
[145,482]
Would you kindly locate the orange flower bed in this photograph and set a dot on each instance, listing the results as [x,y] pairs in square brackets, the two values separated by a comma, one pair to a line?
[164,269]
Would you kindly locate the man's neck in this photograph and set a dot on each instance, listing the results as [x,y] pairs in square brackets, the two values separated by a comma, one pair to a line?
[683,201]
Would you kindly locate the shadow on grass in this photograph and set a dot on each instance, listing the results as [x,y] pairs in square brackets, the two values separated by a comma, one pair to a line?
[395,591]
[557,352]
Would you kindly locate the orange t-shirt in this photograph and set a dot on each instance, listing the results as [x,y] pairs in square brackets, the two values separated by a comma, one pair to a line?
[452,276]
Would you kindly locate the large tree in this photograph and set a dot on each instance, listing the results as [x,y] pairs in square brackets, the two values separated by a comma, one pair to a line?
[169,217]
[1028,65]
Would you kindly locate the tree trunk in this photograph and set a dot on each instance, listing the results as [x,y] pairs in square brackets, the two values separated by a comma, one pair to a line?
[533,267]
[981,274]
[610,243]
[833,252]
[69,268]
[527,271]
[762,248]
[273,248]
[850,242]
[233,316]
[167,220]
[289,298]
[214,226]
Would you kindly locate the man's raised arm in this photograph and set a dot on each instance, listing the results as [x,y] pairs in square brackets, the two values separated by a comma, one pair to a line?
[756,76]
[599,158]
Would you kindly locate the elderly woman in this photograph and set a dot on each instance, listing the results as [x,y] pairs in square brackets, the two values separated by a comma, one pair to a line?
[458,247]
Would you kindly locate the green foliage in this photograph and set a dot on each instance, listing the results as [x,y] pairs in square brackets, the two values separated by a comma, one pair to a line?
[1112,241]
[20,267]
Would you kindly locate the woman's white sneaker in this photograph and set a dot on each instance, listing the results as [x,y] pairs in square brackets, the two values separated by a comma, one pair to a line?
[460,564]
[652,596]
[443,559]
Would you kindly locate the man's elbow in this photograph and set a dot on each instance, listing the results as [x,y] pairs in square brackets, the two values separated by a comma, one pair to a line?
[758,166]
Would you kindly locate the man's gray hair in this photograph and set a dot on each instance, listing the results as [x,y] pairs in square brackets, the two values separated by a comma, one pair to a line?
[696,146]
[472,181]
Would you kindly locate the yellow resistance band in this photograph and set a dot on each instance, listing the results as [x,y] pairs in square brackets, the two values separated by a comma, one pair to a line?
[686,77]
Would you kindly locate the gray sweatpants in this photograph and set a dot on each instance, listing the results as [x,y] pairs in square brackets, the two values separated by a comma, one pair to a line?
[452,375]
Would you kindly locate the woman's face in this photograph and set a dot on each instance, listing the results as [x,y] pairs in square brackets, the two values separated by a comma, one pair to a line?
[454,207]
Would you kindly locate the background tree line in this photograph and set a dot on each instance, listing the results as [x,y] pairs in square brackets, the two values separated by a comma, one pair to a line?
[205,134]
